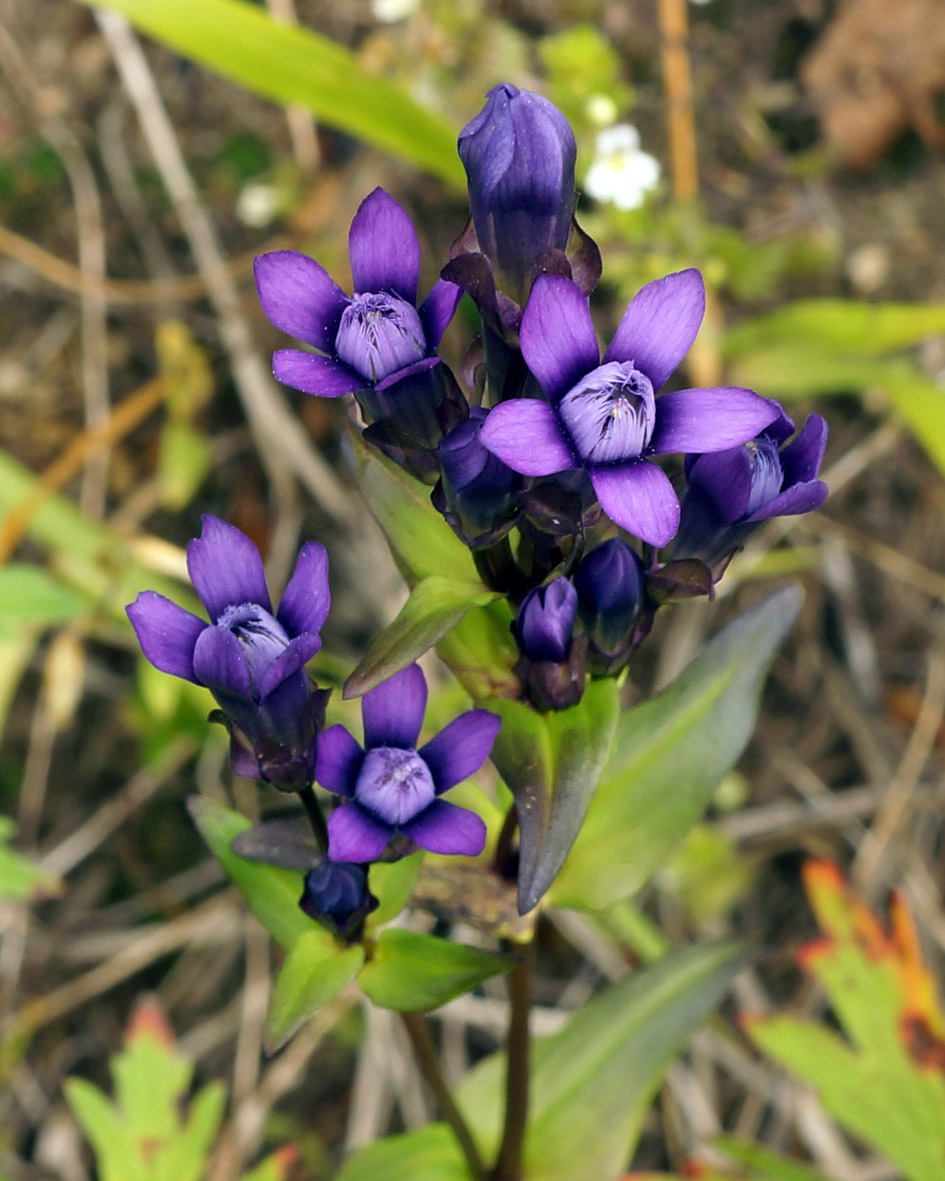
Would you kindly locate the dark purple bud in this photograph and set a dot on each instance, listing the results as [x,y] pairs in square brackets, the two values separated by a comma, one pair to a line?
[336,894]
[546,620]
[610,414]
[379,335]
[610,587]
[478,489]
[519,155]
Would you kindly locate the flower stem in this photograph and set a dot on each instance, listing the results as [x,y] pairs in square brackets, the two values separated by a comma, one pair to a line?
[508,1166]
[425,1053]
[315,817]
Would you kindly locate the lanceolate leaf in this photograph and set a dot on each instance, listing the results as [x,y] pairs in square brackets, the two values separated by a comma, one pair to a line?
[670,754]
[290,64]
[410,971]
[314,971]
[430,1154]
[435,606]
[593,1081]
[273,894]
[551,764]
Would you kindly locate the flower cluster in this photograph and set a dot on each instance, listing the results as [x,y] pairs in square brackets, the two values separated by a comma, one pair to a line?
[547,461]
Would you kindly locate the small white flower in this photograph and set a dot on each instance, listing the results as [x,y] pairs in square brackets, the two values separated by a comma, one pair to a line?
[621,173]
[388,12]
[600,109]
[257,205]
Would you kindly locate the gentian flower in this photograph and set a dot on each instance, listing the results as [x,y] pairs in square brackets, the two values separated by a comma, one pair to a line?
[251,660]
[611,589]
[519,155]
[604,416]
[336,893]
[477,492]
[368,341]
[730,493]
[390,787]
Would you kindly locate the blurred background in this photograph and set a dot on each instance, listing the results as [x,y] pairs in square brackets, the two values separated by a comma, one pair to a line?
[794,150]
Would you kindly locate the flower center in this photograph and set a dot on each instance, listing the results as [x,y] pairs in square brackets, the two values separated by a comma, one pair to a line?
[610,414]
[394,784]
[380,334]
[766,473]
[261,636]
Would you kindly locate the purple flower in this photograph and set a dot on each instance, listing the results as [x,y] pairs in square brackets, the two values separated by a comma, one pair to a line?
[373,339]
[545,621]
[391,787]
[605,417]
[252,661]
[730,493]
[477,493]
[610,587]
[519,155]
[336,894]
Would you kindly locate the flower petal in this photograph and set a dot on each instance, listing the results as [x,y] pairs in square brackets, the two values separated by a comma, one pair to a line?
[313,374]
[438,309]
[393,712]
[299,652]
[460,749]
[300,297]
[167,633]
[445,828]
[225,568]
[338,761]
[306,599]
[384,248]
[725,478]
[801,459]
[557,335]
[659,326]
[354,834]
[802,498]
[709,420]
[220,664]
[639,497]
[525,434]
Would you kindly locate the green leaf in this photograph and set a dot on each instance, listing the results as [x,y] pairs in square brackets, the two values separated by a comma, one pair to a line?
[920,403]
[430,1154]
[184,460]
[315,970]
[436,604]
[421,541]
[292,64]
[109,1135]
[796,369]
[19,877]
[593,1081]
[184,1156]
[839,325]
[410,971]
[760,1164]
[670,755]
[273,894]
[480,652]
[551,764]
[275,1167]
[391,883]
[31,595]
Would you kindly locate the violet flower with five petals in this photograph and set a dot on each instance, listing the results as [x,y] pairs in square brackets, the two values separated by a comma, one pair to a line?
[604,415]
[372,339]
[391,787]
[251,660]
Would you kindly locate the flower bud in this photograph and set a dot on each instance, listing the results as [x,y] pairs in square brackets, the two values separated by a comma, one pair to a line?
[610,587]
[546,620]
[478,489]
[519,155]
[336,894]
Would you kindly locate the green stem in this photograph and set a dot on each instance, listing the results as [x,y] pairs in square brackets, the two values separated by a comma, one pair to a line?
[425,1053]
[315,818]
[502,862]
[508,1166]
